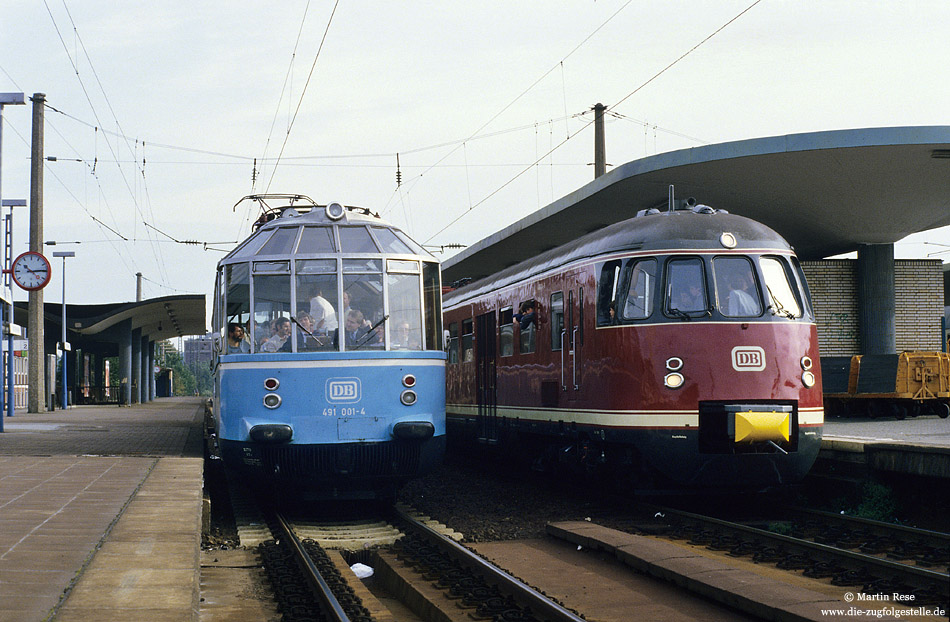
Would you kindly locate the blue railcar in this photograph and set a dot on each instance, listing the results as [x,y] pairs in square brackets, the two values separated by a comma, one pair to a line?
[329,362]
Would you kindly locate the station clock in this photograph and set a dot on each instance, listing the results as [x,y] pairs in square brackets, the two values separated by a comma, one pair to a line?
[31,271]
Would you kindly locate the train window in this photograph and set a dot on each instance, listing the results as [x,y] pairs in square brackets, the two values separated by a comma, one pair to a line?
[405,311]
[252,244]
[411,267]
[362,265]
[527,334]
[390,243]
[736,287]
[557,320]
[607,292]
[271,267]
[638,300]
[580,314]
[272,327]
[217,311]
[453,345]
[506,332]
[281,243]
[316,288]
[416,249]
[316,240]
[803,284]
[356,240]
[570,320]
[468,341]
[432,299]
[363,302]
[316,266]
[686,287]
[237,295]
[782,300]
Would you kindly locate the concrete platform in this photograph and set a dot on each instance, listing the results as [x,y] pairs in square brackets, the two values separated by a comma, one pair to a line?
[914,446]
[767,597]
[100,513]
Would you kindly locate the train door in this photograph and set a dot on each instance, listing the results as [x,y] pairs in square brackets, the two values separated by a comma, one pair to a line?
[573,341]
[577,339]
[486,392]
[567,336]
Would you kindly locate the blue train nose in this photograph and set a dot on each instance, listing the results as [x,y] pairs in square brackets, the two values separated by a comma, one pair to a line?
[413,429]
[271,433]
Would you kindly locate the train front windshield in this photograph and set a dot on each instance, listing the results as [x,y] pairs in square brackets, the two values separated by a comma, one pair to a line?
[725,286]
[336,288]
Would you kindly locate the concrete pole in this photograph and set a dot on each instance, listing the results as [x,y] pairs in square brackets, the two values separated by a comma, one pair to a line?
[36,378]
[600,143]
[138,287]
[877,299]
[135,377]
[125,363]
[151,369]
[143,383]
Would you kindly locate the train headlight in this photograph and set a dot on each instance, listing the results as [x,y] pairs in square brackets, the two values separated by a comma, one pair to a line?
[334,211]
[408,397]
[808,379]
[413,429]
[271,433]
[728,240]
[674,380]
[674,363]
[806,363]
[409,381]
[271,384]
[272,400]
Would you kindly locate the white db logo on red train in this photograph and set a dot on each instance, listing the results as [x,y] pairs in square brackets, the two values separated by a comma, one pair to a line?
[343,390]
[748,358]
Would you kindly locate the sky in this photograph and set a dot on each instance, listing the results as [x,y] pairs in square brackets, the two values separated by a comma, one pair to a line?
[157,111]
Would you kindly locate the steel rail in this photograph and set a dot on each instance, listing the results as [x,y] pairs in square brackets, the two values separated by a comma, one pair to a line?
[856,560]
[331,605]
[541,606]
[935,538]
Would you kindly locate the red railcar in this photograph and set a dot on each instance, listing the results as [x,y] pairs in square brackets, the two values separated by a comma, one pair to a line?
[674,349]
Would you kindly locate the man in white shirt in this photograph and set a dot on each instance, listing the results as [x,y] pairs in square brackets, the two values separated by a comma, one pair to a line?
[323,315]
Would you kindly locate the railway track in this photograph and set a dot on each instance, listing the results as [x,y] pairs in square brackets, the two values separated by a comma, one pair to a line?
[490,592]
[875,557]
[296,554]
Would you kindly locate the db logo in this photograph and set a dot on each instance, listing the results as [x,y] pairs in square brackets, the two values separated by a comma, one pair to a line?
[343,390]
[748,358]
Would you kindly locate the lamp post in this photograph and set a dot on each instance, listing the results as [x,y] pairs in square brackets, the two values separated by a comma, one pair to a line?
[7,99]
[65,346]
[12,329]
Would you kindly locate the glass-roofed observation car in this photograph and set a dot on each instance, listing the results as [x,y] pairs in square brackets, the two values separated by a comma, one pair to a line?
[329,361]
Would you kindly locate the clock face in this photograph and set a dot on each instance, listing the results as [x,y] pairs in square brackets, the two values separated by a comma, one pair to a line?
[31,271]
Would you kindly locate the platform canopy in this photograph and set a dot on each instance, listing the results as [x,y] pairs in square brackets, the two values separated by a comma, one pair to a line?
[825,192]
[158,318]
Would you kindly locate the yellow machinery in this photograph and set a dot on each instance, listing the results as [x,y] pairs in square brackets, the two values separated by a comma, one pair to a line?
[901,385]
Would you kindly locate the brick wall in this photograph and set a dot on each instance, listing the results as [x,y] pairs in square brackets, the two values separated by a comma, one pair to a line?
[918,285]
[835,299]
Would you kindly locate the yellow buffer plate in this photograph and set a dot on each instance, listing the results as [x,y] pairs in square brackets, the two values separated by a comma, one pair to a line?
[754,426]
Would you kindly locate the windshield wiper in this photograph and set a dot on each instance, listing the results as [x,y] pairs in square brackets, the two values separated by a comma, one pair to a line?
[294,320]
[363,340]
[680,314]
[776,306]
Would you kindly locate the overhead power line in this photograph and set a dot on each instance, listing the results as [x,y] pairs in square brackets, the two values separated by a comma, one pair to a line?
[685,54]
[623,99]
[121,133]
[302,95]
